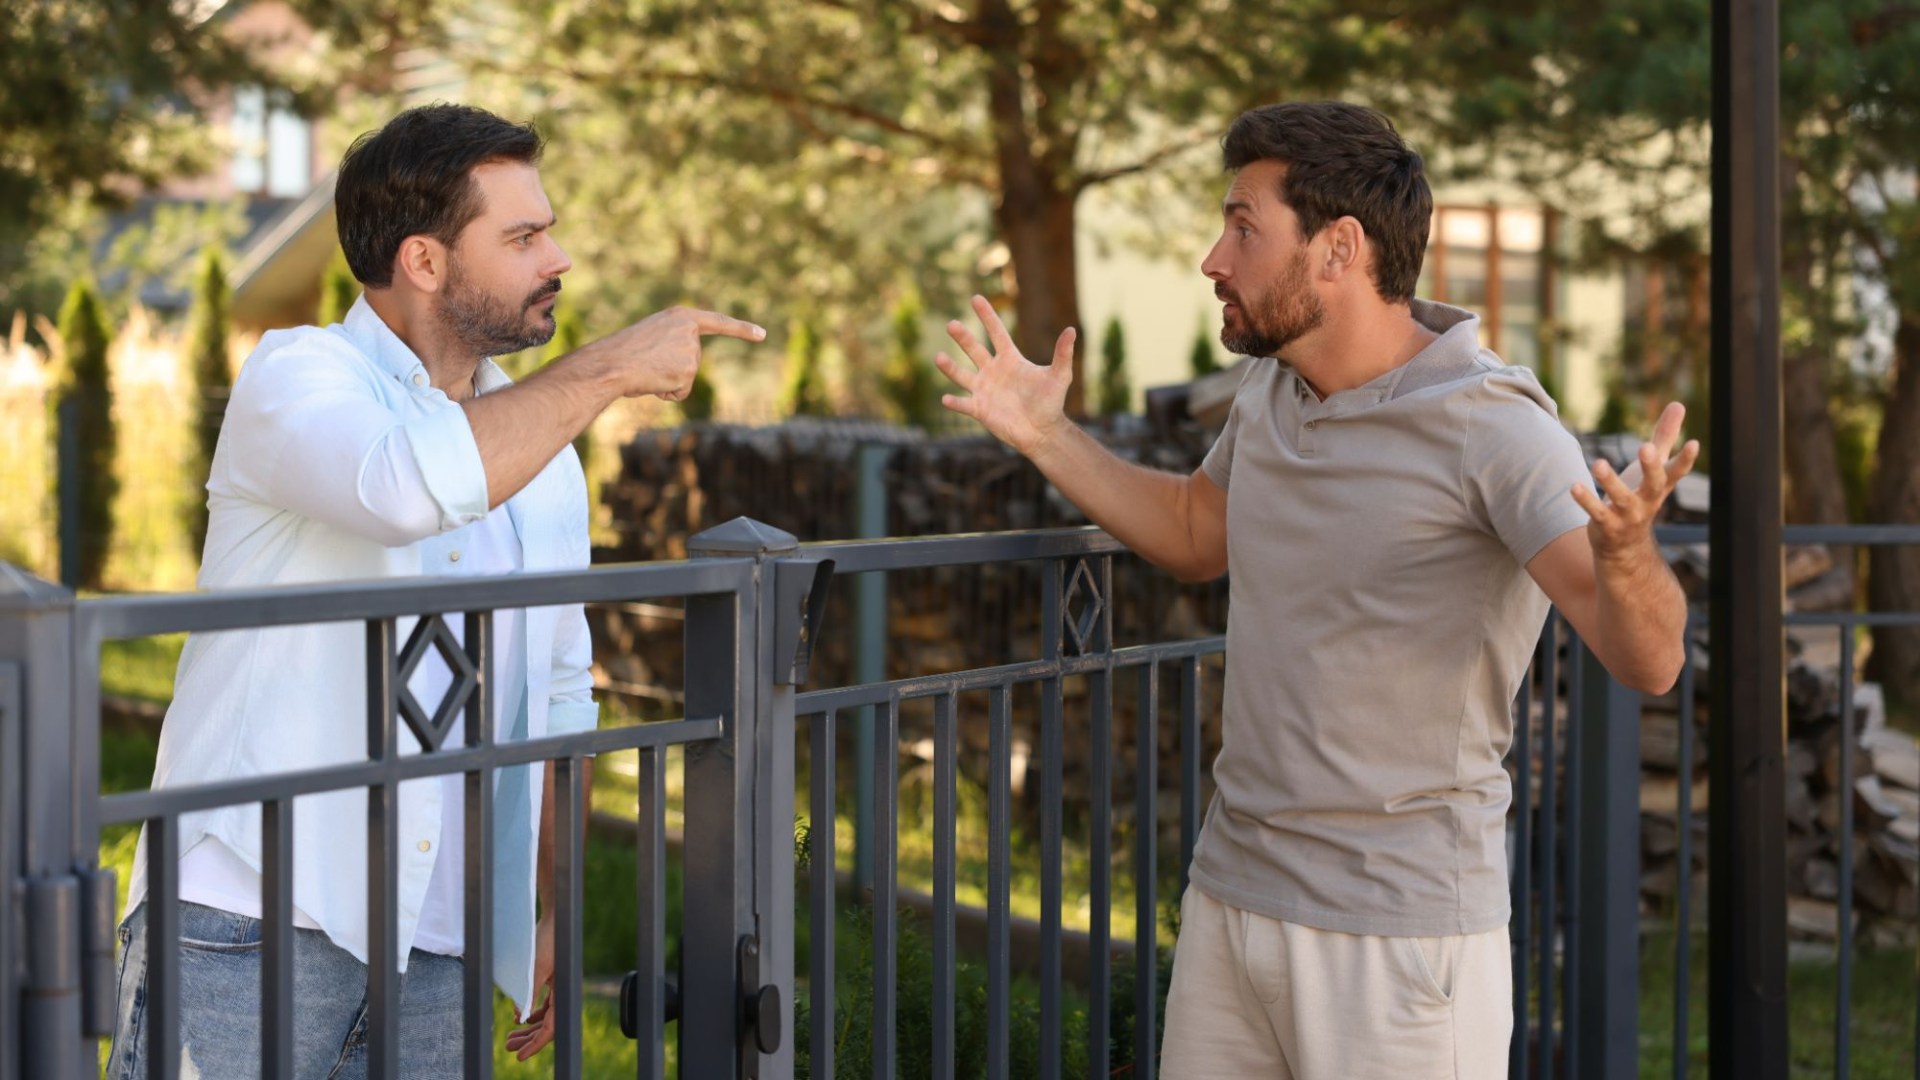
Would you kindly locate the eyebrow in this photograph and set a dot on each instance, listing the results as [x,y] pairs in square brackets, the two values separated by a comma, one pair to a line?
[519,227]
[1228,208]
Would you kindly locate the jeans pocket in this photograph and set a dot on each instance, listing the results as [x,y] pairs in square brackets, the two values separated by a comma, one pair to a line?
[210,930]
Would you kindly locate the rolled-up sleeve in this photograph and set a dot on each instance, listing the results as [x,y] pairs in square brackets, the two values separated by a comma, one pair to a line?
[309,432]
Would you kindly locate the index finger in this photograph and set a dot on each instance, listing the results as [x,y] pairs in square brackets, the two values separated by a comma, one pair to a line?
[712,322]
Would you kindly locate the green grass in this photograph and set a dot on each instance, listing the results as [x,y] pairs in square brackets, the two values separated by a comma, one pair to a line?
[1881,1027]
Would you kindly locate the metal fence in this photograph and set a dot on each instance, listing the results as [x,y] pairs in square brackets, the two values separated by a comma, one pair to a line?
[753,602]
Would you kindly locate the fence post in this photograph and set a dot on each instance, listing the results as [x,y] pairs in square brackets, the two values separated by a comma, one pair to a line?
[1608,877]
[40,1013]
[737,937]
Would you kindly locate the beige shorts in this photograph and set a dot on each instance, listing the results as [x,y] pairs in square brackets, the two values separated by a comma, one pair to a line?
[1254,997]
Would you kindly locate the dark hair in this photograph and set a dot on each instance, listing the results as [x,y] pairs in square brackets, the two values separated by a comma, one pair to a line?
[1344,160]
[414,177]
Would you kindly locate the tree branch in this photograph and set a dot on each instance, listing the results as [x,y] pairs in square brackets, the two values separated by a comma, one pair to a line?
[1151,161]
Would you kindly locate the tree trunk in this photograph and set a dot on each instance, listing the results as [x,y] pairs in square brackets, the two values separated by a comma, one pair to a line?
[1035,213]
[1894,578]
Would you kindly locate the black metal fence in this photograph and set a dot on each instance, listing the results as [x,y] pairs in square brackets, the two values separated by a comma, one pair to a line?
[753,600]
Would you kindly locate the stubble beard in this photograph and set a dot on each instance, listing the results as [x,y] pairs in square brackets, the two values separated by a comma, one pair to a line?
[487,325]
[1279,316]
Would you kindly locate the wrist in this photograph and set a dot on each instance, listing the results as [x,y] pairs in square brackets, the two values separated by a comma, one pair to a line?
[1047,438]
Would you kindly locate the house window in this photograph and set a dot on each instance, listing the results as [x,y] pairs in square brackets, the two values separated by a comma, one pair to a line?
[272,145]
[1490,259]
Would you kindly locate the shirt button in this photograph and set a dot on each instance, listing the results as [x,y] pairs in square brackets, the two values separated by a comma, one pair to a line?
[1311,424]
[426,845]
[419,379]
[454,555]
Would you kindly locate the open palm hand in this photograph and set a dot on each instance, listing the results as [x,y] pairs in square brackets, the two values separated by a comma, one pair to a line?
[1020,402]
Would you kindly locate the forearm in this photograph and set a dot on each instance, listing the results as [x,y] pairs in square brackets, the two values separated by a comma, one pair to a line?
[1145,509]
[1641,613]
[521,428]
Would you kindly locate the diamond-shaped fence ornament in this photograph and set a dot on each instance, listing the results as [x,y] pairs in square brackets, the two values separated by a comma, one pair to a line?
[432,633]
[1081,607]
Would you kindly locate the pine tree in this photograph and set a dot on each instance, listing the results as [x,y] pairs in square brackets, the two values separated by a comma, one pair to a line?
[909,377]
[699,403]
[805,393]
[338,290]
[1116,391]
[1202,359]
[84,400]
[208,327]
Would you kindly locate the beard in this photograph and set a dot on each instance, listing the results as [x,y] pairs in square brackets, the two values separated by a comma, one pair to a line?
[1276,318]
[488,325]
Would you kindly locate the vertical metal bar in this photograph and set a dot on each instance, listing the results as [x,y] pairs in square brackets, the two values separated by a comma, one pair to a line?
[1189,764]
[1573,1017]
[651,964]
[1146,914]
[96,971]
[820,966]
[1747,926]
[11,814]
[569,864]
[477,964]
[1051,784]
[1100,872]
[163,949]
[999,880]
[1843,1013]
[383,860]
[1608,933]
[886,838]
[1546,1043]
[945,749]
[1683,912]
[870,647]
[1520,877]
[477,801]
[276,952]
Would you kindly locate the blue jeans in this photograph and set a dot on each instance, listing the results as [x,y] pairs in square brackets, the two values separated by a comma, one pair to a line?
[220,1004]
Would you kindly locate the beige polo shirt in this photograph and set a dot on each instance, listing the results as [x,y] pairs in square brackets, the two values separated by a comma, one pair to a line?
[1381,620]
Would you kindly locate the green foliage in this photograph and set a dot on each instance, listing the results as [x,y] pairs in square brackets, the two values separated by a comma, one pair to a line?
[1616,414]
[912,385]
[699,404]
[84,399]
[93,105]
[1116,389]
[338,290]
[209,363]
[805,392]
[1203,360]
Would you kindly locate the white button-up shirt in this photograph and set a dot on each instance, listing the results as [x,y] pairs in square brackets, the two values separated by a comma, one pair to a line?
[337,460]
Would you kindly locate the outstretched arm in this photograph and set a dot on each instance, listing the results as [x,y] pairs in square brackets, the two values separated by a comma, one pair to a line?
[1178,523]
[1609,579]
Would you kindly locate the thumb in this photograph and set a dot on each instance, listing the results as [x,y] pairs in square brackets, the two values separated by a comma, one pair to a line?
[1063,355]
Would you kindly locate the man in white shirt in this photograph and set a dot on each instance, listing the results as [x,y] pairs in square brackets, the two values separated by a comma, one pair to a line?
[389,445]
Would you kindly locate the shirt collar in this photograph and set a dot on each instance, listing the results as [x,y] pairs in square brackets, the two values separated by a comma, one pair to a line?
[377,341]
[1446,358]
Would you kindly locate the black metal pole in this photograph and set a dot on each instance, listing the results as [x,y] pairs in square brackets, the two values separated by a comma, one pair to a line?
[1747,985]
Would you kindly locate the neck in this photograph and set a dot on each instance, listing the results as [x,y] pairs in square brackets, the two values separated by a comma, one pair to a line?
[449,362]
[1354,348]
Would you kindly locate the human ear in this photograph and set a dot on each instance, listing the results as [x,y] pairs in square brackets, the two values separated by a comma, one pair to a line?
[1346,241]
[422,260]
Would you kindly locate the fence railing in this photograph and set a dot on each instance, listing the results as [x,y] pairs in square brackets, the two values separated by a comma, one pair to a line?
[753,600]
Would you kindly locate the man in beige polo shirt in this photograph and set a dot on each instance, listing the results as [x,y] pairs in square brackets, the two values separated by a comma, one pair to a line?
[1397,508]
